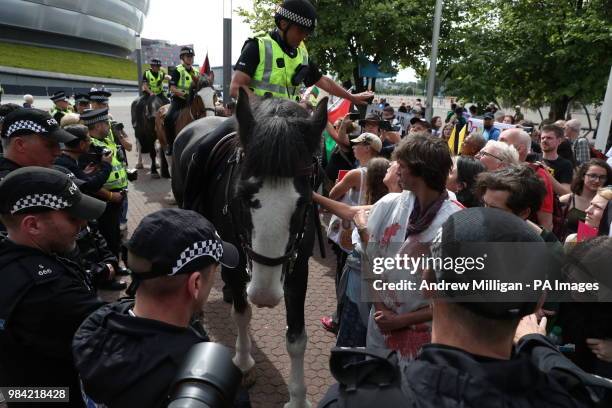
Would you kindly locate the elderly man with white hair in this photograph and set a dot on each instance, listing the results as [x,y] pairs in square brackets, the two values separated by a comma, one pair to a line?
[580,144]
[496,155]
[522,143]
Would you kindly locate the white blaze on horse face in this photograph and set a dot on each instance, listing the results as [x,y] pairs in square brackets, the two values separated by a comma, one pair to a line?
[207,94]
[270,235]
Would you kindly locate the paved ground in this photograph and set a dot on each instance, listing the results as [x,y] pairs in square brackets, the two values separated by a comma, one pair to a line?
[268,325]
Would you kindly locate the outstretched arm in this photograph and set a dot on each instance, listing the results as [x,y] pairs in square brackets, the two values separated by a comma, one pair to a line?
[333,88]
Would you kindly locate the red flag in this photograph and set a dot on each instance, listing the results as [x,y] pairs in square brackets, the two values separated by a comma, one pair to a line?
[205,68]
[338,110]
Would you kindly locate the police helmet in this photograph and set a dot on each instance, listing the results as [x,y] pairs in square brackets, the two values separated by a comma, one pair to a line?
[300,12]
[186,51]
[155,62]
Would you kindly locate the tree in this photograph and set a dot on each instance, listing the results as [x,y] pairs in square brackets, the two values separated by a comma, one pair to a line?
[391,33]
[531,52]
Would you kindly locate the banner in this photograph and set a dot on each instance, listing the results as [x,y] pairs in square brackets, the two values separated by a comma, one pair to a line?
[401,119]
[477,124]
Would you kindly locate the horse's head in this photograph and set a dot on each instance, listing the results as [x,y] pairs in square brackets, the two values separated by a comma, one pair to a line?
[274,191]
[202,98]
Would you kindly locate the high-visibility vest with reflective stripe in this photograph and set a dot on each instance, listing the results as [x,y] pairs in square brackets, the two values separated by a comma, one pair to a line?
[155,84]
[55,110]
[269,77]
[184,83]
[117,179]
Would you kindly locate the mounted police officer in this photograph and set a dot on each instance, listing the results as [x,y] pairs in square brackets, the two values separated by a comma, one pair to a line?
[43,296]
[277,63]
[61,106]
[152,81]
[97,121]
[180,87]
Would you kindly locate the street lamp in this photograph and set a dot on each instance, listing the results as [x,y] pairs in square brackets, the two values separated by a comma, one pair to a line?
[227,49]
[139,61]
[432,63]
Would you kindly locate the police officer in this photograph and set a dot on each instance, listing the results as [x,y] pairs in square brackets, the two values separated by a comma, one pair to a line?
[31,137]
[180,87]
[97,122]
[43,296]
[99,98]
[61,106]
[5,110]
[152,80]
[277,63]
[174,256]
[81,102]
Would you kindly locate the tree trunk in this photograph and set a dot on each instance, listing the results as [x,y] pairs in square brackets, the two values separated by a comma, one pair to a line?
[558,108]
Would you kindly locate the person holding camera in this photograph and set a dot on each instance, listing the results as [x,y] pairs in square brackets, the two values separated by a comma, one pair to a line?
[98,168]
[98,128]
[174,255]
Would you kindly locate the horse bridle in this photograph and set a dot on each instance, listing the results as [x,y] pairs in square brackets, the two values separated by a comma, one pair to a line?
[290,256]
[199,115]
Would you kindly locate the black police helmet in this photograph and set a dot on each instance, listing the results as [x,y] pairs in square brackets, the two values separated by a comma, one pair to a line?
[300,12]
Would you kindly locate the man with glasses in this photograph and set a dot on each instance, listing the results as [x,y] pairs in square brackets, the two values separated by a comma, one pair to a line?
[496,155]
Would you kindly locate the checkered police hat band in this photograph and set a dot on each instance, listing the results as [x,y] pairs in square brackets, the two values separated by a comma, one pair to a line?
[40,200]
[296,18]
[95,120]
[210,248]
[25,124]
[99,98]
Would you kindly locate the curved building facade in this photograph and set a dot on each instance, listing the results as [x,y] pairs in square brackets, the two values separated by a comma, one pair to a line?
[105,27]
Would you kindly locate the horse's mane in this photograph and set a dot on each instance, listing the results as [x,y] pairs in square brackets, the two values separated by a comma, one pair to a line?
[277,145]
[202,82]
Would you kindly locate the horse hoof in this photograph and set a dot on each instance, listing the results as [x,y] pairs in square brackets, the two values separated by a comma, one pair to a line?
[155,175]
[301,404]
[248,378]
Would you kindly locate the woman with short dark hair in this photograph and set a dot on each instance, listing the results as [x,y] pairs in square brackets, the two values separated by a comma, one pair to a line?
[462,178]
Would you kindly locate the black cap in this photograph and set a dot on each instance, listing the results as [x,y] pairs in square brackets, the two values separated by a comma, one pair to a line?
[28,121]
[36,189]
[155,61]
[93,116]
[81,98]
[509,251]
[179,241]
[99,95]
[300,12]
[59,96]
[421,121]
[78,131]
[489,115]
[186,51]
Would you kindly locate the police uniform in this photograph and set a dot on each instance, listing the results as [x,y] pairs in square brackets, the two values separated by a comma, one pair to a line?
[43,297]
[274,67]
[117,180]
[176,242]
[155,80]
[56,112]
[181,78]
[81,99]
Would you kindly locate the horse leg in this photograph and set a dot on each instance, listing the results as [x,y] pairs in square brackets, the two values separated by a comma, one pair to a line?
[241,314]
[153,156]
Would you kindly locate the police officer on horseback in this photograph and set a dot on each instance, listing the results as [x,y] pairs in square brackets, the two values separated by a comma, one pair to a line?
[180,86]
[277,63]
[152,81]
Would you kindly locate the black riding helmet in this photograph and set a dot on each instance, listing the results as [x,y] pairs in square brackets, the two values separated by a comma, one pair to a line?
[300,12]
[155,62]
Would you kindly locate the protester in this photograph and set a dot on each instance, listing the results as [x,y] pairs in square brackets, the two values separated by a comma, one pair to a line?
[496,155]
[562,169]
[580,144]
[462,177]
[436,126]
[400,223]
[472,144]
[174,255]
[591,176]
[594,212]
[28,101]
[471,361]
[45,297]
[490,132]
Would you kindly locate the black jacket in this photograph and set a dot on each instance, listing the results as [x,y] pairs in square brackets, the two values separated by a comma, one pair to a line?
[537,376]
[43,300]
[127,361]
[91,182]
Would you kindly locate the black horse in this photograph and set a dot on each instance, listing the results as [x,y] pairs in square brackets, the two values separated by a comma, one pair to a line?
[256,188]
[143,112]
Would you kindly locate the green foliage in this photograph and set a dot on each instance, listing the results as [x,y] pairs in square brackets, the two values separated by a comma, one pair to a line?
[67,62]
[392,33]
[531,52]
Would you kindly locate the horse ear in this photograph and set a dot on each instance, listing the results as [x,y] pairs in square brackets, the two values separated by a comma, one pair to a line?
[244,116]
[318,121]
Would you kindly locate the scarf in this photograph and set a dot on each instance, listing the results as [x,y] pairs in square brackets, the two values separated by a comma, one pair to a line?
[420,220]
